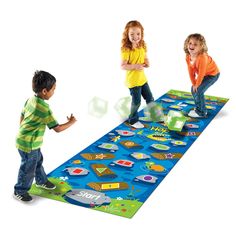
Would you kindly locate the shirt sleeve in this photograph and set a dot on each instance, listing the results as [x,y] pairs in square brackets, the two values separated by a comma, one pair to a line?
[191,75]
[191,72]
[23,110]
[125,55]
[50,120]
[201,67]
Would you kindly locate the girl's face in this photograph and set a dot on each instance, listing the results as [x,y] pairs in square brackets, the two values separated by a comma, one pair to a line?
[194,47]
[135,35]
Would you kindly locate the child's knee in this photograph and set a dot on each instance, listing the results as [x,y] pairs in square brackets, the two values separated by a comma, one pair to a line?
[136,103]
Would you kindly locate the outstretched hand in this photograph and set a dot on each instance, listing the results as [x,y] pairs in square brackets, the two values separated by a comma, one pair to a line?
[71,119]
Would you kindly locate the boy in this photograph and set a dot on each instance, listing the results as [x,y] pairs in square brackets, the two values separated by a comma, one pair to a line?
[36,115]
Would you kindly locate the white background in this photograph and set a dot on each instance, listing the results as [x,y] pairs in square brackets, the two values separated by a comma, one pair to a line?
[79,43]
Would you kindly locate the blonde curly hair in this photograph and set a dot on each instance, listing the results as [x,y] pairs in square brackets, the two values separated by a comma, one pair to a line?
[199,38]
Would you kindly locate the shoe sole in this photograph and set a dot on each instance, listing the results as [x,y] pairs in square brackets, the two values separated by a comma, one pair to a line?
[39,186]
[197,116]
[141,127]
[17,198]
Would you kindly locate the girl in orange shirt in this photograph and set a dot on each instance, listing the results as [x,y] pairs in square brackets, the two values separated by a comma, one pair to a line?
[203,71]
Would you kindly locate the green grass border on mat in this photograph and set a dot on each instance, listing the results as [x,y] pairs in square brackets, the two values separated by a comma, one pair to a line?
[181,94]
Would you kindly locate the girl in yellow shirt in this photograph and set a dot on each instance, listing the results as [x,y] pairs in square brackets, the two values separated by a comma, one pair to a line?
[134,60]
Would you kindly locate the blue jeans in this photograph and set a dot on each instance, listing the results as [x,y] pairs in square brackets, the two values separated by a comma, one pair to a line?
[198,96]
[31,166]
[136,93]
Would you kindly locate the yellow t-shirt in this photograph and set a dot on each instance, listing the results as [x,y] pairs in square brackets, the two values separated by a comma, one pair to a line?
[134,77]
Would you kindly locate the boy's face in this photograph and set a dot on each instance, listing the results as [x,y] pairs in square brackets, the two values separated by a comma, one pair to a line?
[48,94]
[194,47]
[135,35]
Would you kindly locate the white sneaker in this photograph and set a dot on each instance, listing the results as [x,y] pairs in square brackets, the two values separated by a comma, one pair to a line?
[138,125]
[194,114]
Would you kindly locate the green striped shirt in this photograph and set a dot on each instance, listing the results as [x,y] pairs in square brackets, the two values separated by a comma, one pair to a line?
[36,116]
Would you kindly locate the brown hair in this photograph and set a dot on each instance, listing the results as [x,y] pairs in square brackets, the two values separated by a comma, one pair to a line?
[125,43]
[199,38]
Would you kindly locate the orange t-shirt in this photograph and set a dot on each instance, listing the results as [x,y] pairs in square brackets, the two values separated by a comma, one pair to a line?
[203,66]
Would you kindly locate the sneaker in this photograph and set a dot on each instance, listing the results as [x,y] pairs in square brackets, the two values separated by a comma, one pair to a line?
[48,185]
[138,125]
[194,114]
[23,197]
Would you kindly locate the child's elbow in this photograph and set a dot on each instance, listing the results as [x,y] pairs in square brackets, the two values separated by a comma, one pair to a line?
[122,66]
[57,129]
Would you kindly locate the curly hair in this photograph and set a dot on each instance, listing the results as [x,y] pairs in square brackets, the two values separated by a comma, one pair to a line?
[199,38]
[125,42]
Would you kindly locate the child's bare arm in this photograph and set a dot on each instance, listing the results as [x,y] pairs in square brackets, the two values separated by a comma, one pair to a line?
[21,118]
[62,127]
[146,63]
[126,66]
